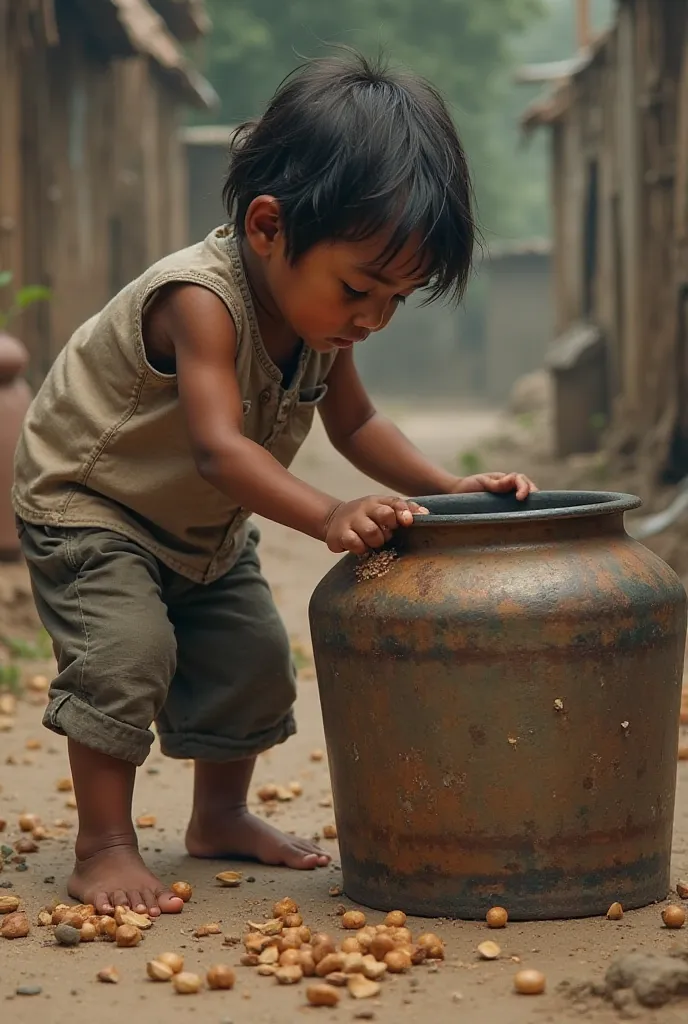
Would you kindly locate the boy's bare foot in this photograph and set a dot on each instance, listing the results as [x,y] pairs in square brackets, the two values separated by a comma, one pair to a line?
[117,876]
[221,825]
[109,871]
[237,833]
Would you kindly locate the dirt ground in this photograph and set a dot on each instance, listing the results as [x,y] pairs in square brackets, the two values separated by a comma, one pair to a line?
[462,989]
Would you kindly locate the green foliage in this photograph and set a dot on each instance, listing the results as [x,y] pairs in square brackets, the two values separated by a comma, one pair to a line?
[39,649]
[21,299]
[471,463]
[14,651]
[10,677]
[462,46]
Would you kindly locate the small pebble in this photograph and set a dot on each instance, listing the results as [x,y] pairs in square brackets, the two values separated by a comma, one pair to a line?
[6,885]
[50,880]
[67,936]
[22,867]
[250,878]
[28,990]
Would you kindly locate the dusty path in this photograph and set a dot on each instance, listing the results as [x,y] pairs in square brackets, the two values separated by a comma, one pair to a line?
[461,990]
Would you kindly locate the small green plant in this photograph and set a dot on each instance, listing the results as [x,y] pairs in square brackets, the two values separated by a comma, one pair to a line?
[526,420]
[598,422]
[15,650]
[470,463]
[10,677]
[300,657]
[21,299]
[26,650]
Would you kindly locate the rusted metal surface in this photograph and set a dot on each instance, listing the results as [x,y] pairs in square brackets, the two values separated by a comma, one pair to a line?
[501,707]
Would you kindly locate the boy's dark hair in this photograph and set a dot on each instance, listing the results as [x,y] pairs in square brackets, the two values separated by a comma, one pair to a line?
[350,148]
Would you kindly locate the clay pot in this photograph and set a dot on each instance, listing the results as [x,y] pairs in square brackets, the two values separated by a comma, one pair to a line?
[15,398]
[501,706]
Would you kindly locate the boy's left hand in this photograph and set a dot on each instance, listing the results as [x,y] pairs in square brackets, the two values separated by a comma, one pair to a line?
[496,483]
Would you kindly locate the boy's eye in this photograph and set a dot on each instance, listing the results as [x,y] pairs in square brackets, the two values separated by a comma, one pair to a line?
[352,293]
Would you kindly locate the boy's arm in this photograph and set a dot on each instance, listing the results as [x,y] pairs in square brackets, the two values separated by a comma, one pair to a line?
[379,449]
[203,336]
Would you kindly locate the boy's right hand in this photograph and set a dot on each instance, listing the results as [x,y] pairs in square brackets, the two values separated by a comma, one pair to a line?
[366,523]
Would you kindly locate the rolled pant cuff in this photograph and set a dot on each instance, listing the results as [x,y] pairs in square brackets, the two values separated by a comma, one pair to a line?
[70,716]
[204,747]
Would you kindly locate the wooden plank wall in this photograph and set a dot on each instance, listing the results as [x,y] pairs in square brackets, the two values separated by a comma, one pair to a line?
[91,180]
[629,114]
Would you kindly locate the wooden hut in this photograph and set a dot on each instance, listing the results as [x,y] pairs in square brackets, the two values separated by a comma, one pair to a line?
[92,181]
[518,313]
[619,141]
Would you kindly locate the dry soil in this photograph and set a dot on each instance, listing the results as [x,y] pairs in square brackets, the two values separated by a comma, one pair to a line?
[462,989]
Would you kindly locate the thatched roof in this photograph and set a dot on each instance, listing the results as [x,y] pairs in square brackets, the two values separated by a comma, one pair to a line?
[127,27]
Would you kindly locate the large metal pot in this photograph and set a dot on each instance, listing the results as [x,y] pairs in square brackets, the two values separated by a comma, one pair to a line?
[501,692]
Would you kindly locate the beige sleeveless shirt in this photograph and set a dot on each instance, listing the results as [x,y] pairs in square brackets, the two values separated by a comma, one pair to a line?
[105,443]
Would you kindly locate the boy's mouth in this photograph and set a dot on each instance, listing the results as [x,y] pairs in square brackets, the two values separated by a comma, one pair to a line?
[348,342]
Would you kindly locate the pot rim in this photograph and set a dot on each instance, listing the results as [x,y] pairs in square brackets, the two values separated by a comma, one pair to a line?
[484,507]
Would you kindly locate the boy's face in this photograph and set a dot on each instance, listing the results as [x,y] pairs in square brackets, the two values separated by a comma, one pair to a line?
[337,293]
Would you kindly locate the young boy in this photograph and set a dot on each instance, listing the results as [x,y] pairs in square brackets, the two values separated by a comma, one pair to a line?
[174,413]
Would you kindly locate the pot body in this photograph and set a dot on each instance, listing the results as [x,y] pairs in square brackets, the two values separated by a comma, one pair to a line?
[501,707]
[15,398]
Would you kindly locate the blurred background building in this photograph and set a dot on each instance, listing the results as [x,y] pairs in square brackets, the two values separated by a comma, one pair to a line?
[114,124]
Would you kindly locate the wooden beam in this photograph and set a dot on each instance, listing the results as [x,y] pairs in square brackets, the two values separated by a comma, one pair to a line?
[583,30]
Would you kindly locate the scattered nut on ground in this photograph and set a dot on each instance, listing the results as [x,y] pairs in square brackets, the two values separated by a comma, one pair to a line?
[353,920]
[433,944]
[15,926]
[529,982]
[330,832]
[183,890]
[123,915]
[8,904]
[615,912]
[322,995]
[212,928]
[398,961]
[267,793]
[291,975]
[158,971]
[127,936]
[681,887]
[362,988]
[109,975]
[26,845]
[284,907]
[220,976]
[489,950]
[496,917]
[674,916]
[229,879]
[146,821]
[173,960]
[186,983]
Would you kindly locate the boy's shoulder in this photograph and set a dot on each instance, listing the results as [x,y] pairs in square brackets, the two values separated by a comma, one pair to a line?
[214,256]
[213,263]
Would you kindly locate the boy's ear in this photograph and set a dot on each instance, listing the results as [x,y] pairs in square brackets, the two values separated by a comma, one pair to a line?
[263,224]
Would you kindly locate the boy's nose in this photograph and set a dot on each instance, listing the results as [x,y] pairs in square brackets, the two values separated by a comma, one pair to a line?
[370,321]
